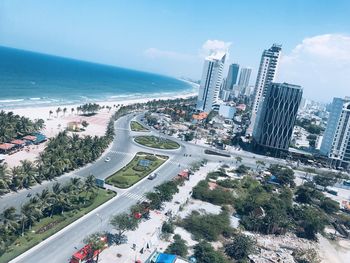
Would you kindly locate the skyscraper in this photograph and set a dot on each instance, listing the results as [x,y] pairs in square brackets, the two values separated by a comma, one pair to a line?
[211,81]
[243,81]
[336,139]
[266,75]
[244,77]
[232,76]
[276,118]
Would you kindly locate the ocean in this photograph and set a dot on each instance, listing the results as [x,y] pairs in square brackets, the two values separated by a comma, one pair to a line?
[34,79]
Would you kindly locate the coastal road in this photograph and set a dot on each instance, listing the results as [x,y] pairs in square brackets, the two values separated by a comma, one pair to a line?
[122,150]
[59,247]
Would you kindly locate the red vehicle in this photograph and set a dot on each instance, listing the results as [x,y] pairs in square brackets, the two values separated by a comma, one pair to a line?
[82,255]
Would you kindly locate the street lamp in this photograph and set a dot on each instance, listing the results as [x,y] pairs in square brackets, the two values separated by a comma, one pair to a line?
[98,215]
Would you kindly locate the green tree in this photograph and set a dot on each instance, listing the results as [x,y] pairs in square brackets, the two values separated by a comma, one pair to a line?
[122,223]
[96,243]
[325,180]
[178,247]
[311,220]
[240,247]
[205,253]
[329,206]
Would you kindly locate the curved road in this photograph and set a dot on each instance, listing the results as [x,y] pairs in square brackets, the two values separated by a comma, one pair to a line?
[59,247]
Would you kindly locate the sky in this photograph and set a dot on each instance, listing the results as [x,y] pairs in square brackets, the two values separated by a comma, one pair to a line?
[173,37]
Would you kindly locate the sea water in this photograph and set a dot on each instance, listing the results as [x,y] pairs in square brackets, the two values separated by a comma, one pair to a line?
[34,79]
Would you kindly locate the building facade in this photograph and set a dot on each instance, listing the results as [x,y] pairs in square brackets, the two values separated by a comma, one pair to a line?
[227,112]
[210,82]
[266,74]
[336,139]
[232,76]
[244,77]
[276,118]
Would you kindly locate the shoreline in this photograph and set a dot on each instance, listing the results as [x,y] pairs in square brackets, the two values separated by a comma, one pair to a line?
[33,114]
[44,102]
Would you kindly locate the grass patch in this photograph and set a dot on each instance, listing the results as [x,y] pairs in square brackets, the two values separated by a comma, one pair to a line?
[134,171]
[158,143]
[138,127]
[56,223]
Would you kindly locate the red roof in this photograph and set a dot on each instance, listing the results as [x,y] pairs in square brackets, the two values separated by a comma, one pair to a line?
[29,138]
[183,174]
[18,142]
[6,146]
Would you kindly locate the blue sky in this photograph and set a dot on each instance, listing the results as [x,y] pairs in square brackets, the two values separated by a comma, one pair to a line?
[167,36]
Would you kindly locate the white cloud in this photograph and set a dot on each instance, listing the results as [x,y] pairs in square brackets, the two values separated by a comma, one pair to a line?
[214,46]
[155,53]
[321,65]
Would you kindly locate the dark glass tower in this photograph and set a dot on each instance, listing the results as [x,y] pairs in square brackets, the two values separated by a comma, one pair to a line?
[276,118]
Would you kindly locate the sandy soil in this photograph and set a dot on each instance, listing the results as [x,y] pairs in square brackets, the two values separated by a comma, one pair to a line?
[147,236]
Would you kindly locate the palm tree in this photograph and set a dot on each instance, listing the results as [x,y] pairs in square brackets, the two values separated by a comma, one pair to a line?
[30,171]
[58,110]
[90,183]
[9,219]
[17,178]
[5,180]
[30,213]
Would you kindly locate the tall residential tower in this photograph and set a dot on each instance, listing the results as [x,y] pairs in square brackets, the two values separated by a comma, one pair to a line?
[336,139]
[266,75]
[211,81]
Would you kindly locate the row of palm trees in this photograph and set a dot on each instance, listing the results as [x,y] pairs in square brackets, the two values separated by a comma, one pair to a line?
[14,126]
[60,199]
[63,153]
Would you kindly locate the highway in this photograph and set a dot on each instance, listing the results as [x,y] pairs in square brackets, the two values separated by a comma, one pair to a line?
[59,247]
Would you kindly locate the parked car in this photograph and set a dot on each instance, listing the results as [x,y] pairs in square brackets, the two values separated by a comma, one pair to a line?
[152,176]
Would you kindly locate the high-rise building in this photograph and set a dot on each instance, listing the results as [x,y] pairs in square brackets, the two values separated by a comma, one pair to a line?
[336,139]
[276,118]
[232,76]
[266,75]
[211,81]
[244,77]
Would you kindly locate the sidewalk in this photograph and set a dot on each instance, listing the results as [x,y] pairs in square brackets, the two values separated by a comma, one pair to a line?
[147,237]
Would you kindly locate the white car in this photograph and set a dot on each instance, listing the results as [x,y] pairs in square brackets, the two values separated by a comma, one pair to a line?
[107,159]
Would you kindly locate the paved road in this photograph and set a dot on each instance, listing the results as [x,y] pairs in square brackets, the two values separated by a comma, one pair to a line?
[62,245]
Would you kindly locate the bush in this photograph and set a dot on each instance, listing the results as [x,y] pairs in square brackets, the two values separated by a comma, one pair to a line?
[208,227]
[139,168]
[227,183]
[168,227]
[205,253]
[151,158]
[241,247]
[178,247]
[329,206]
[218,196]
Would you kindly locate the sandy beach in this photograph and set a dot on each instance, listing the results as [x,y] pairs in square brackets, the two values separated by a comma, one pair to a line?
[54,123]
